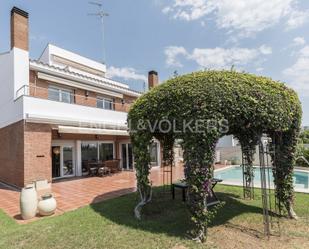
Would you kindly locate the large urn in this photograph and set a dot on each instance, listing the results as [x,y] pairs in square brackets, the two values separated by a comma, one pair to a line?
[47,206]
[28,202]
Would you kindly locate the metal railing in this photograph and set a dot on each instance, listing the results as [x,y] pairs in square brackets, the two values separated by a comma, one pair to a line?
[65,96]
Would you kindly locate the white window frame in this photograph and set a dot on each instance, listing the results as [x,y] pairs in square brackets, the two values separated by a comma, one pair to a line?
[60,90]
[98,149]
[105,99]
[62,144]
[120,155]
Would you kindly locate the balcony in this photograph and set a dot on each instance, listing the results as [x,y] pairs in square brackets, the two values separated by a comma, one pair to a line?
[74,109]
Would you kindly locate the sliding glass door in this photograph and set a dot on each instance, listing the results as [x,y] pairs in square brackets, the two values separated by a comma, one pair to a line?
[126,156]
[68,168]
[94,151]
[63,163]
[56,164]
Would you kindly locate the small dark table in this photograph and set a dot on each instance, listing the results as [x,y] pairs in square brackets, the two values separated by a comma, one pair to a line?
[93,168]
[211,199]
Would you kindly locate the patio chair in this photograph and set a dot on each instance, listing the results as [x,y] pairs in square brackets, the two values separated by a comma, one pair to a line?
[113,165]
[92,168]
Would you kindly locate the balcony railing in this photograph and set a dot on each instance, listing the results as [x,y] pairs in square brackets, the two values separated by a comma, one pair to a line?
[65,96]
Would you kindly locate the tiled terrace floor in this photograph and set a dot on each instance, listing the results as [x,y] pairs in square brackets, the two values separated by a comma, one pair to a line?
[78,192]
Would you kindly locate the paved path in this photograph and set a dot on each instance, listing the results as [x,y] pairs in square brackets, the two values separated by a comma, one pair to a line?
[78,192]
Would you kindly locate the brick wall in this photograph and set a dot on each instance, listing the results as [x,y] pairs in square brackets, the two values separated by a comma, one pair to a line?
[25,153]
[37,152]
[81,99]
[12,154]
[128,100]
[19,30]
[39,88]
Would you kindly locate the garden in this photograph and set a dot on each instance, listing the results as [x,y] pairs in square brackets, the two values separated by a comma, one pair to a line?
[198,109]
[111,224]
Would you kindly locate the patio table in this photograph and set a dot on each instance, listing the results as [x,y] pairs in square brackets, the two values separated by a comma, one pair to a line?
[93,168]
[212,199]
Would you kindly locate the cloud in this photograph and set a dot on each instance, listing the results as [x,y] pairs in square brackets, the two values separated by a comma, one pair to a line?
[245,17]
[259,69]
[216,58]
[172,53]
[297,18]
[299,41]
[266,49]
[298,73]
[126,73]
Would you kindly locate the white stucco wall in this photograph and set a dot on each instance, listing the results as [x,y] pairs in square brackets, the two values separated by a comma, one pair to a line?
[48,109]
[14,73]
[20,68]
[51,50]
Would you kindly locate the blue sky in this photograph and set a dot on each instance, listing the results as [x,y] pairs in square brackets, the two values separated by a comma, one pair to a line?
[264,37]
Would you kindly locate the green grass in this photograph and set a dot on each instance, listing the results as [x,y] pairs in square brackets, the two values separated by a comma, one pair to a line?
[111,224]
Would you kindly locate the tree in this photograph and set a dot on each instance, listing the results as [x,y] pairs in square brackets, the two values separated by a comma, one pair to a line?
[212,101]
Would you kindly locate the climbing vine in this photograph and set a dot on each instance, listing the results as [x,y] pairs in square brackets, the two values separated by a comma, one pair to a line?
[201,107]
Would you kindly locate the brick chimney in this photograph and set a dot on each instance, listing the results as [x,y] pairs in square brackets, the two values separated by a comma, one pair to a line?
[153,79]
[19,29]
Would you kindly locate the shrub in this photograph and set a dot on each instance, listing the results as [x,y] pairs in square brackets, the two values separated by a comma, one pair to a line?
[252,105]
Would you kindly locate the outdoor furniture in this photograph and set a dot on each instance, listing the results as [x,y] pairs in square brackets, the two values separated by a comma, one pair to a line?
[113,165]
[183,186]
[104,171]
[212,199]
[93,168]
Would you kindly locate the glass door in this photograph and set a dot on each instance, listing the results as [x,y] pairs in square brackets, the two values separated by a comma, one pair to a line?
[56,165]
[63,164]
[126,156]
[67,161]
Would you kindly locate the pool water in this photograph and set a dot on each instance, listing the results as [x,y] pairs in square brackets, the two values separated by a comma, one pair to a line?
[233,176]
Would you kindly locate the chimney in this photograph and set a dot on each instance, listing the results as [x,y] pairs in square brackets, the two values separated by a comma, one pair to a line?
[19,29]
[153,79]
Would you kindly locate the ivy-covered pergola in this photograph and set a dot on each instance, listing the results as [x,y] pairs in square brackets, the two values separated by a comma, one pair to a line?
[201,107]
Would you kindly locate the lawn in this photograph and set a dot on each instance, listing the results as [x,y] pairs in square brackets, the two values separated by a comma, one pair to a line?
[111,225]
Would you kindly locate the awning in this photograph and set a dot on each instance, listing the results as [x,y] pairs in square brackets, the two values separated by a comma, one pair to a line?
[92,131]
[76,84]
[66,122]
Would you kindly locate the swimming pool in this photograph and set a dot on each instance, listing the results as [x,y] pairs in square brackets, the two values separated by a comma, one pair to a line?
[233,176]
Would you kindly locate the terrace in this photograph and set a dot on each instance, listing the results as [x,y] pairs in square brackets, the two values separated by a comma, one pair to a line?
[78,192]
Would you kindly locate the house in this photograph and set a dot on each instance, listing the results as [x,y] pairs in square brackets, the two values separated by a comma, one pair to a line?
[59,112]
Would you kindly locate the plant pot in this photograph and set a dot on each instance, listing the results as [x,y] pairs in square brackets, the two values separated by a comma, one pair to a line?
[47,206]
[28,202]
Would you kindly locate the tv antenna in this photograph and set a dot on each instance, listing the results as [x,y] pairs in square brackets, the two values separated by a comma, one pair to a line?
[101,14]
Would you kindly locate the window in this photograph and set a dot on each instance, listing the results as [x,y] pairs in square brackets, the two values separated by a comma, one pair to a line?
[154,154]
[106,152]
[96,151]
[105,103]
[89,154]
[61,95]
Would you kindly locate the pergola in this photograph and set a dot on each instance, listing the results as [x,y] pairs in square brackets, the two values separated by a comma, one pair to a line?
[201,107]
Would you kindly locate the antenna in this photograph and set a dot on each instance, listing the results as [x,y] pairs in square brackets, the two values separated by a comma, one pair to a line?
[101,14]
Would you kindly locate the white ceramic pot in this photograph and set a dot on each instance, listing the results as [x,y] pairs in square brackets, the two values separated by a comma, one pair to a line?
[47,206]
[28,202]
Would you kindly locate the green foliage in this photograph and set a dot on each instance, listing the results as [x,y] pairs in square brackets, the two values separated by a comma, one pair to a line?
[252,106]
[302,154]
[302,150]
[304,137]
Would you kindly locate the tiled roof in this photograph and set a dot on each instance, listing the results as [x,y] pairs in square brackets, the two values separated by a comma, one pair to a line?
[104,82]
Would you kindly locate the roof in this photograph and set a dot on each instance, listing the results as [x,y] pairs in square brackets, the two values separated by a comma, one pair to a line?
[102,82]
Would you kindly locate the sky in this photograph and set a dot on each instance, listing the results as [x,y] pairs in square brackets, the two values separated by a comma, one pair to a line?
[263,37]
